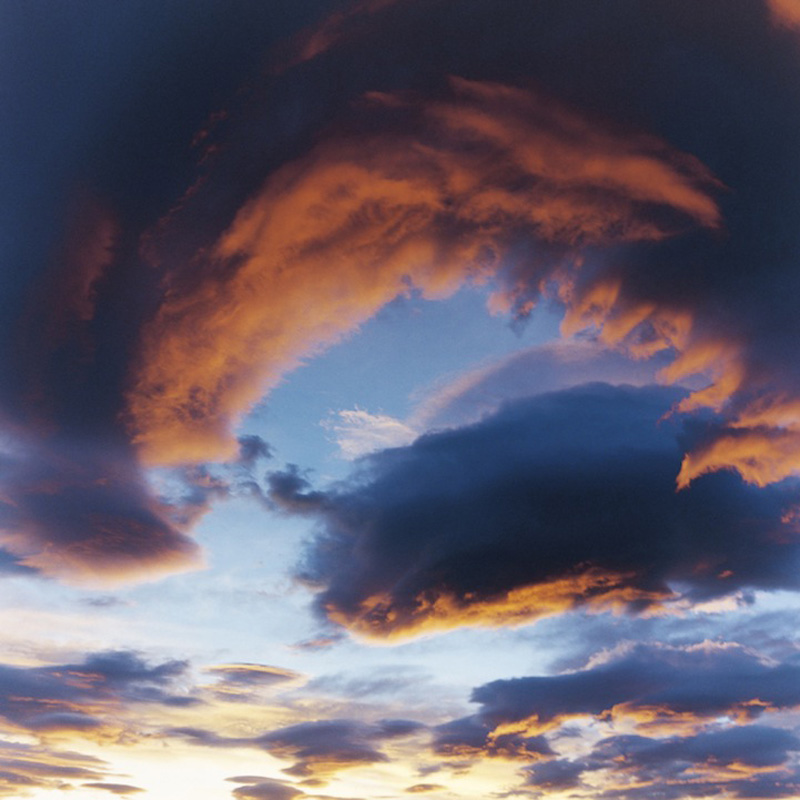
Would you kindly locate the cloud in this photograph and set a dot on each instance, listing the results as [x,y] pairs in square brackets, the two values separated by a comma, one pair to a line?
[421,788]
[659,687]
[460,151]
[252,674]
[785,12]
[121,789]
[750,761]
[472,738]
[319,748]
[241,682]
[25,767]
[657,211]
[533,370]
[86,516]
[560,501]
[419,192]
[555,775]
[267,790]
[85,696]
[357,432]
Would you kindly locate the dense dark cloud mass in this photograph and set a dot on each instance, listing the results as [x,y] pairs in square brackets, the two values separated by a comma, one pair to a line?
[155,291]
[559,501]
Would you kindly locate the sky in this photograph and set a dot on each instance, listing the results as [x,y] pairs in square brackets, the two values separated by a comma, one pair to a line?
[400,398]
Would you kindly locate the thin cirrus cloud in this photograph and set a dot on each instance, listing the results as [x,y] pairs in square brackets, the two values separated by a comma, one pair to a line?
[560,501]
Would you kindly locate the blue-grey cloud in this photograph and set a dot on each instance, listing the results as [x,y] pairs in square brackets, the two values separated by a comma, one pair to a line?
[556,502]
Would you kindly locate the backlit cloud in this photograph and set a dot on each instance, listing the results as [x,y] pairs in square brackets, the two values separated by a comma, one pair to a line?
[429,194]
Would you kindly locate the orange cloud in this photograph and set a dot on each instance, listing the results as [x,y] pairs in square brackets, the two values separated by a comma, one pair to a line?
[785,12]
[379,618]
[761,456]
[431,200]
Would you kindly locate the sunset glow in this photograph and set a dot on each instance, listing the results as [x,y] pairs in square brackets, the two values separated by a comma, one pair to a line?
[400,398]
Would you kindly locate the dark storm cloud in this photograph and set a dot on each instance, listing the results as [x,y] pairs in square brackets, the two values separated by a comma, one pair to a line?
[560,501]
[85,696]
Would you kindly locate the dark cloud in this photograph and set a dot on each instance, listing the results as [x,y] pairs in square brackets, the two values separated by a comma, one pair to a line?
[318,748]
[650,193]
[10,565]
[267,790]
[94,155]
[421,788]
[251,449]
[710,83]
[325,746]
[471,737]
[85,696]
[656,685]
[747,762]
[749,745]
[121,789]
[560,501]
[86,515]
[555,775]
